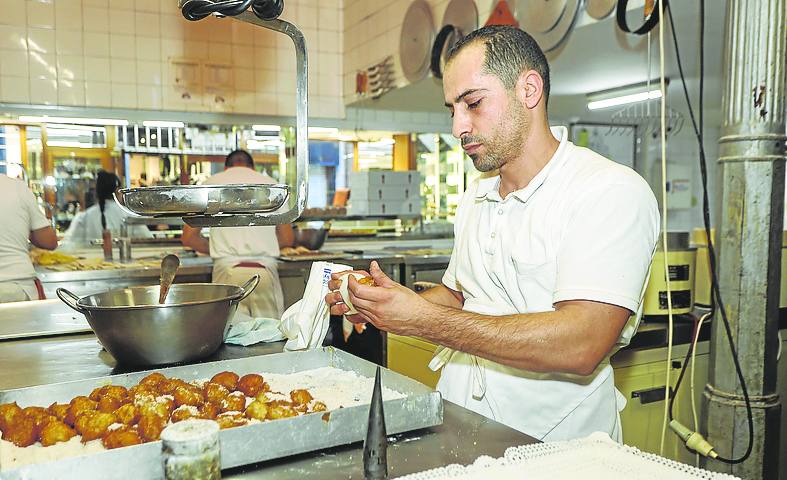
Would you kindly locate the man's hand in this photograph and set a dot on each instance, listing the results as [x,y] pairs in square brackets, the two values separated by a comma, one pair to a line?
[388,306]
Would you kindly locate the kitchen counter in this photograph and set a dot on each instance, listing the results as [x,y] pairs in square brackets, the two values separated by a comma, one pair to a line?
[461,438]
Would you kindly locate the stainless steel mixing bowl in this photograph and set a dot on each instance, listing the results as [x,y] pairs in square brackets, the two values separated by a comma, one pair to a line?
[137,330]
[311,238]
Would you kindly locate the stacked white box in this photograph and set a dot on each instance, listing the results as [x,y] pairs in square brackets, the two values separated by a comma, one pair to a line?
[384,192]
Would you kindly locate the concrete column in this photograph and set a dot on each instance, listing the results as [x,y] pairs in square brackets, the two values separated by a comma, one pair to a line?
[751,154]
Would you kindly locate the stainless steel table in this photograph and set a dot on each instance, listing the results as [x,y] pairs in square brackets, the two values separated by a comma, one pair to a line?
[40,318]
[462,438]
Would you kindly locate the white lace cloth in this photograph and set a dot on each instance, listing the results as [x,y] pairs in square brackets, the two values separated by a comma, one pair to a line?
[594,457]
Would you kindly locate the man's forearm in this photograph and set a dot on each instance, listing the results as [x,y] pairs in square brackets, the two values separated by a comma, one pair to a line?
[442,295]
[565,340]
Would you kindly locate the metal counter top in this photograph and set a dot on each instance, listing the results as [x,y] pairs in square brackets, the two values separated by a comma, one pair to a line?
[40,318]
[462,438]
[188,266]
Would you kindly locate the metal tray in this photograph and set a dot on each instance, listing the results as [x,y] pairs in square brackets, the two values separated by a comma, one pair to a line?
[183,200]
[420,408]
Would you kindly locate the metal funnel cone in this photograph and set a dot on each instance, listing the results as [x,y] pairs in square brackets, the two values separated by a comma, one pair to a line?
[375,456]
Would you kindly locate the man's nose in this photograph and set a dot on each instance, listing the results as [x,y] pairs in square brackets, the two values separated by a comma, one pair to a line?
[460,125]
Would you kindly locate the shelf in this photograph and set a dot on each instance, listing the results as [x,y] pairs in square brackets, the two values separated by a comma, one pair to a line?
[338,218]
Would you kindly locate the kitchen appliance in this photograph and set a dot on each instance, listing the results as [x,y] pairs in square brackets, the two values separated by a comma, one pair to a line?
[234,205]
[137,330]
[681,261]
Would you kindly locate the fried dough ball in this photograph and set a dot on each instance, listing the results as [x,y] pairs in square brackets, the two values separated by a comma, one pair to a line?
[94,426]
[319,407]
[127,414]
[251,384]
[8,413]
[184,412]
[234,402]
[230,420]
[209,411]
[39,415]
[228,379]
[215,392]
[280,409]
[153,380]
[161,406]
[22,432]
[169,386]
[78,405]
[138,391]
[263,397]
[301,396]
[188,396]
[108,404]
[257,409]
[150,427]
[122,437]
[117,392]
[59,410]
[55,432]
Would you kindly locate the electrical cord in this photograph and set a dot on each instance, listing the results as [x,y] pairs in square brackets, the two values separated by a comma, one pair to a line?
[665,245]
[695,340]
[716,298]
[264,9]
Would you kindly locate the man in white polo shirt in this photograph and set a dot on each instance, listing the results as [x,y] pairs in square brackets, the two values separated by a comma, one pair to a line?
[239,253]
[552,251]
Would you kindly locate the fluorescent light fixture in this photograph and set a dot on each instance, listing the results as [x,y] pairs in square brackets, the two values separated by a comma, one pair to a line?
[266,128]
[72,120]
[72,128]
[163,124]
[323,130]
[68,144]
[624,95]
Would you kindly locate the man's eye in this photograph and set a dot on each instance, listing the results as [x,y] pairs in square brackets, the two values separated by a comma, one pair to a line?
[473,105]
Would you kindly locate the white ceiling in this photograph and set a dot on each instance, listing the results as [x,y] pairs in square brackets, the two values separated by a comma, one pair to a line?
[599,56]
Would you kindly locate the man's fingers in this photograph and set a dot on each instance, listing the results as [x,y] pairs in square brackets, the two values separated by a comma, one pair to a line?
[380,278]
[339,309]
[332,298]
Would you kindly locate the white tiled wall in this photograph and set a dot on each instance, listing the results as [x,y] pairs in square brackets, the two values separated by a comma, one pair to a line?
[372,29]
[119,53]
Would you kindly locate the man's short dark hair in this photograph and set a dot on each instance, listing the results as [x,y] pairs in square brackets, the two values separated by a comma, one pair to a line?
[239,158]
[509,52]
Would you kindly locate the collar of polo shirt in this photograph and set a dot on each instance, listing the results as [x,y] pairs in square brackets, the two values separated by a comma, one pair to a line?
[489,187]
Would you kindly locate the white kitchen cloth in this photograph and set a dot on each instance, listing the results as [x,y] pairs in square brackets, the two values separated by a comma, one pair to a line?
[245,330]
[305,323]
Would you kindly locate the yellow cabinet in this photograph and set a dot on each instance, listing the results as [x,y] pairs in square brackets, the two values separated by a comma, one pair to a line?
[640,377]
[410,356]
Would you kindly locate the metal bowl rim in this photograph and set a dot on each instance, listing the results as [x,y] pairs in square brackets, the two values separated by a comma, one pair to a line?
[157,305]
[161,188]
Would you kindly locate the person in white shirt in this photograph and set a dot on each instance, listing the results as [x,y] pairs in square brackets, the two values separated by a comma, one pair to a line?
[241,252]
[23,223]
[552,251]
[106,214]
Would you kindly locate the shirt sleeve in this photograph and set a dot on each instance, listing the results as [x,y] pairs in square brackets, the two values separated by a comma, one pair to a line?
[607,245]
[449,277]
[37,218]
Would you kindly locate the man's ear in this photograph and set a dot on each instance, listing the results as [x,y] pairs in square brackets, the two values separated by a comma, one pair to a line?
[530,88]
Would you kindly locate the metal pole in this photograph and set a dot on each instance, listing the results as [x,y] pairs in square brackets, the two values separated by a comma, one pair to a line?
[751,153]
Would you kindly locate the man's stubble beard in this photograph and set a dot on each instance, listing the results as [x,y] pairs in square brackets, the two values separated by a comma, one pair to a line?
[507,139]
